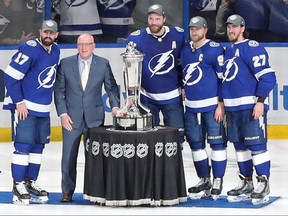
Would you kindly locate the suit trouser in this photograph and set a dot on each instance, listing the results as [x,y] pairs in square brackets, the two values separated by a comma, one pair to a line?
[70,149]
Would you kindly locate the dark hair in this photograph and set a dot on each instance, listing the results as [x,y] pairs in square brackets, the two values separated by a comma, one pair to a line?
[246,34]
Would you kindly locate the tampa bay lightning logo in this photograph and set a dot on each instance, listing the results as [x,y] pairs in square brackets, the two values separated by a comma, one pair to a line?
[46,78]
[231,70]
[113,4]
[3,23]
[161,63]
[193,74]
[75,3]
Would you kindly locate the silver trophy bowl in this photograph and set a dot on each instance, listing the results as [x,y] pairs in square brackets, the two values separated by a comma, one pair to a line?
[136,116]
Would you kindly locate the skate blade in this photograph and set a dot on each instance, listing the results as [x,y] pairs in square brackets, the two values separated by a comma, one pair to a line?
[41,200]
[260,201]
[18,201]
[215,197]
[200,195]
[238,198]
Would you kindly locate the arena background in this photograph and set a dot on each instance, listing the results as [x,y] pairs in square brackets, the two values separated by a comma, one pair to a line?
[278,52]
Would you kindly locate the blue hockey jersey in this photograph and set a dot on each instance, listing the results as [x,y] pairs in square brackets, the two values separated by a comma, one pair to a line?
[30,77]
[247,75]
[116,16]
[202,71]
[161,81]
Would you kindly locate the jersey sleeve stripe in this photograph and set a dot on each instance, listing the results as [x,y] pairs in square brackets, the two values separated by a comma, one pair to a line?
[15,74]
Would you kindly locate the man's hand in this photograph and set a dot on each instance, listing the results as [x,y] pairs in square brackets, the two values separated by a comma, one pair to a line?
[258,110]
[219,112]
[22,111]
[66,122]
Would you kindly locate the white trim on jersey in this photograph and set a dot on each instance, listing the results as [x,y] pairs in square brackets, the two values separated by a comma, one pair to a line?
[7,100]
[94,32]
[265,71]
[37,107]
[117,21]
[242,101]
[15,74]
[162,96]
[201,103]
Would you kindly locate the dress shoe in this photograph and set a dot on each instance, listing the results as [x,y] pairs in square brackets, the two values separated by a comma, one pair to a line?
[66,197]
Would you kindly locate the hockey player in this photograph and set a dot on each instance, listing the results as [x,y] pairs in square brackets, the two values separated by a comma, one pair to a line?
[78,17]
[161,81]
[115,17]
[202,61]
[248,79]
[29,80]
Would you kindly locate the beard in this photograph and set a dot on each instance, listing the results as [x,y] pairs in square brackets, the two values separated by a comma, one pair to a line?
[233,38]
[196,38]
[154,29]
[47,41]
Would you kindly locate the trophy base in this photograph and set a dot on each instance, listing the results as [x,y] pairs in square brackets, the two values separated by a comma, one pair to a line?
[144,122]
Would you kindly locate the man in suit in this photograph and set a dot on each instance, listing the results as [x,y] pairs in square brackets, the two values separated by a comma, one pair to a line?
[81,107]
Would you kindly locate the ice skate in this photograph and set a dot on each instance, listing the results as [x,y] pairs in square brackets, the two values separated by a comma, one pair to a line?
[20,193]
[38,195]
[216,188]
[242,192]
[201,190]
[261,193]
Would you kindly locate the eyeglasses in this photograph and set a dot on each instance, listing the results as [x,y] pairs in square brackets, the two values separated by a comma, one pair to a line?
[84,44]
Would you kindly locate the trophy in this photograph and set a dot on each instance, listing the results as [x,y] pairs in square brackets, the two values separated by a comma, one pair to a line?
[129,117]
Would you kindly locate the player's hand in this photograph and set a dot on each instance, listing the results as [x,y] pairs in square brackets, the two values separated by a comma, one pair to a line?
[183,93]
[258,110]
[22,111]
[219,112]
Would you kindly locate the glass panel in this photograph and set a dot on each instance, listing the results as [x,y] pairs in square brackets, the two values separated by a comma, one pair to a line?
[266,20]
[19,20]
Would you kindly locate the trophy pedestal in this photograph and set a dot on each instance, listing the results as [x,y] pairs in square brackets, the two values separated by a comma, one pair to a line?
[142,122]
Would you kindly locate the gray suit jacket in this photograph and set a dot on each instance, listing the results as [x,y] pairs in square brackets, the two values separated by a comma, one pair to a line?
[87,105]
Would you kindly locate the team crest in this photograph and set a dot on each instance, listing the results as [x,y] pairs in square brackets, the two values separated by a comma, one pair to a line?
[129,150]
[105,149]
[142,150]
[4,22]
[171,148]
[87,144]
[116,150]
[159,149]
[75,3]
[95,148]
[113,4]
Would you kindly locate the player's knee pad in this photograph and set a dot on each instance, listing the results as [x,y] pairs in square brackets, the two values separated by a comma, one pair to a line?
[240,146]
[35,156]
[37,148]
[216,147]
[256,149]
[195,146]
[22,148]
